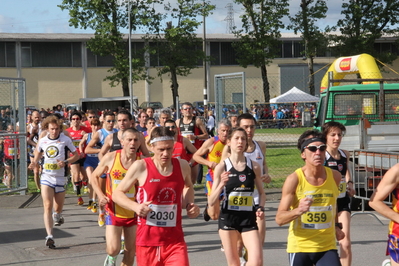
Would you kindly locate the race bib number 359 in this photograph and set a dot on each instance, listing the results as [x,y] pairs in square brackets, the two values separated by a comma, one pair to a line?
[162,215]
[318,217]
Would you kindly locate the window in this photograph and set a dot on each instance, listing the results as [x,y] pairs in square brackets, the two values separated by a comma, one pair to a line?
[7,54]
[51,54]
[355,104]
[228,54]
[287,49]
[215,53]
[391,103]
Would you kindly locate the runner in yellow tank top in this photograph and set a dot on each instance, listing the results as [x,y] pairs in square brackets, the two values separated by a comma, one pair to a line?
[115,164]
[308,203]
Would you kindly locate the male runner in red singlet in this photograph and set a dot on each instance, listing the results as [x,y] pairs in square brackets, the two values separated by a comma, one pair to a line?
[118,219]
[164,188]
[77,131]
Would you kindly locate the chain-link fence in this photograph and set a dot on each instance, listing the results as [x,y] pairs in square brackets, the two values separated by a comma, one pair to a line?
[13,146]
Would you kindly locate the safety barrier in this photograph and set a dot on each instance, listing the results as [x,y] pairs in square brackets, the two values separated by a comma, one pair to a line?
[368,169]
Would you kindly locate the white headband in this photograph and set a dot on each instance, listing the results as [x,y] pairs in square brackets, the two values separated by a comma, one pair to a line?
[161,139]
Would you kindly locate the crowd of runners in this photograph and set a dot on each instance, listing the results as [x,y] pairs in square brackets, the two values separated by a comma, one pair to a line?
[139,173]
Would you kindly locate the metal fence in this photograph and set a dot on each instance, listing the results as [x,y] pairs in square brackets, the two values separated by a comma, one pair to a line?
[13,136]
[278,124]
[368,169]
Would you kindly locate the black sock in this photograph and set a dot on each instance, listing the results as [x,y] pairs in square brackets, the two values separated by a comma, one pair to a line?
[77,185]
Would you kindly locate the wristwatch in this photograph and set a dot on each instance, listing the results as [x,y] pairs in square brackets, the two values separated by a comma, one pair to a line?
[66,162]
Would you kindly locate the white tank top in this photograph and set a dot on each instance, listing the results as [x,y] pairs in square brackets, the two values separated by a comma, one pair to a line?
[257,156]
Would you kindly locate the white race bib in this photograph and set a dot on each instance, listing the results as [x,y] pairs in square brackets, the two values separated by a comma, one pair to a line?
[162,215]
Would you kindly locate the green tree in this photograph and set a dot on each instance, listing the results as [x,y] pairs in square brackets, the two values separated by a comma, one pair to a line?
[305,22]
[258,39]
[175,46]
[107,19]
[364,22]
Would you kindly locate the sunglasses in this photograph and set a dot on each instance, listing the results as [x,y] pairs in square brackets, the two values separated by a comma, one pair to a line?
[171,127]
[110,121]
[188,108]
[75,118]
[91,117]
[314,148]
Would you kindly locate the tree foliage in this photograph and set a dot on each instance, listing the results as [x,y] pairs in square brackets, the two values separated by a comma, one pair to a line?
[364,22]
[258,37]
[175,45]
[313,38]
[107,19]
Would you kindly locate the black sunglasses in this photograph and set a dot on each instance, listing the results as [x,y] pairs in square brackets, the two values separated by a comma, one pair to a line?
[171,127]
[314,148]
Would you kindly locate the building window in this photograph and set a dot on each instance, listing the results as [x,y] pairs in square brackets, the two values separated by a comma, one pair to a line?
[7,54]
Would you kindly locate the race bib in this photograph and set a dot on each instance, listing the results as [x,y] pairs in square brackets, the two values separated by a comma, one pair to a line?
[240,201]
[162,215]
[50,165]
[318,217]
[342,188]
[185,135]
[76,142]
[11,151]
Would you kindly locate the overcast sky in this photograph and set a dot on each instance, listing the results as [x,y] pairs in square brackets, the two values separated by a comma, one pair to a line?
[43,16]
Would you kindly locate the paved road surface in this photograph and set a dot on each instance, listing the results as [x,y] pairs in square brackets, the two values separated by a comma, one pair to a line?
[81,242]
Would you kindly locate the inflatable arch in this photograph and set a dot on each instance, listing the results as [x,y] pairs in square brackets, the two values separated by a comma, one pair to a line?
[364,64]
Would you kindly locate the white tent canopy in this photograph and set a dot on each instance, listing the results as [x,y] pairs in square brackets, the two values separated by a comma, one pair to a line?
[294,95]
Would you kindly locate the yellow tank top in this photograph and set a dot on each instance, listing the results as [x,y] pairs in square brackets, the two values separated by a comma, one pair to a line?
[115,176]
[215,155]
[314,231]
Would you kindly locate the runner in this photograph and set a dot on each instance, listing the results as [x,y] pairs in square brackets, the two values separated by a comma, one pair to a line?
[389,185]
[194,129]
[236,178]
[91,161]
[118,219]
[182,145]
[77,131]
[142,117]
[97,142]
[212,148]
[112,143]
[164,114]
[54,147]
[34,130]
[338,159]
[164,188]
[308,203]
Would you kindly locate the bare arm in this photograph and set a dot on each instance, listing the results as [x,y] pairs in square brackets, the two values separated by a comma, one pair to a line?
[201,126]
[106,147]
[389,183]
[220,178]
[101,169]
[82,144]
[136,174]
[190,148]
[143,146]
[225,153]
[265,177]
[348,176]
[188,191]
[284,213]
[95,138]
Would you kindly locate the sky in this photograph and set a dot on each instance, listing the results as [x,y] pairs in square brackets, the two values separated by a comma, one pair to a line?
[44,16]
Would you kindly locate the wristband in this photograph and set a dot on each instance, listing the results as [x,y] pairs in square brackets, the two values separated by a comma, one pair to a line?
[339,225]
[262,209]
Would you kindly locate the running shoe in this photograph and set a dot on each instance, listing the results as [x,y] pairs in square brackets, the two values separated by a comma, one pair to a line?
[90,206]
[206,215]
[245,253]
[80,201]
[122,246]
[85,190]
[101,219]
[110,261]
[94,208]
[59,221]
[50,242]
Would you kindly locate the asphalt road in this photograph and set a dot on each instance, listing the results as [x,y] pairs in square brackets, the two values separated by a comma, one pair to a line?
[81,242]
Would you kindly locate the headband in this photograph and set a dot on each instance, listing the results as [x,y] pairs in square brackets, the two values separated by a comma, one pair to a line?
[161,139]
[310,140]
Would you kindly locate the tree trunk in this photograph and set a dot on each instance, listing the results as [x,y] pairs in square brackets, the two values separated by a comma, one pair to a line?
[175,87]
[266,85]
[311,76]
[125,86]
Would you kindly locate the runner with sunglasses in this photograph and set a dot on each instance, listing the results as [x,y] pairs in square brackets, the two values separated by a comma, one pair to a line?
[308,203]
[77,131]
[338,159]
